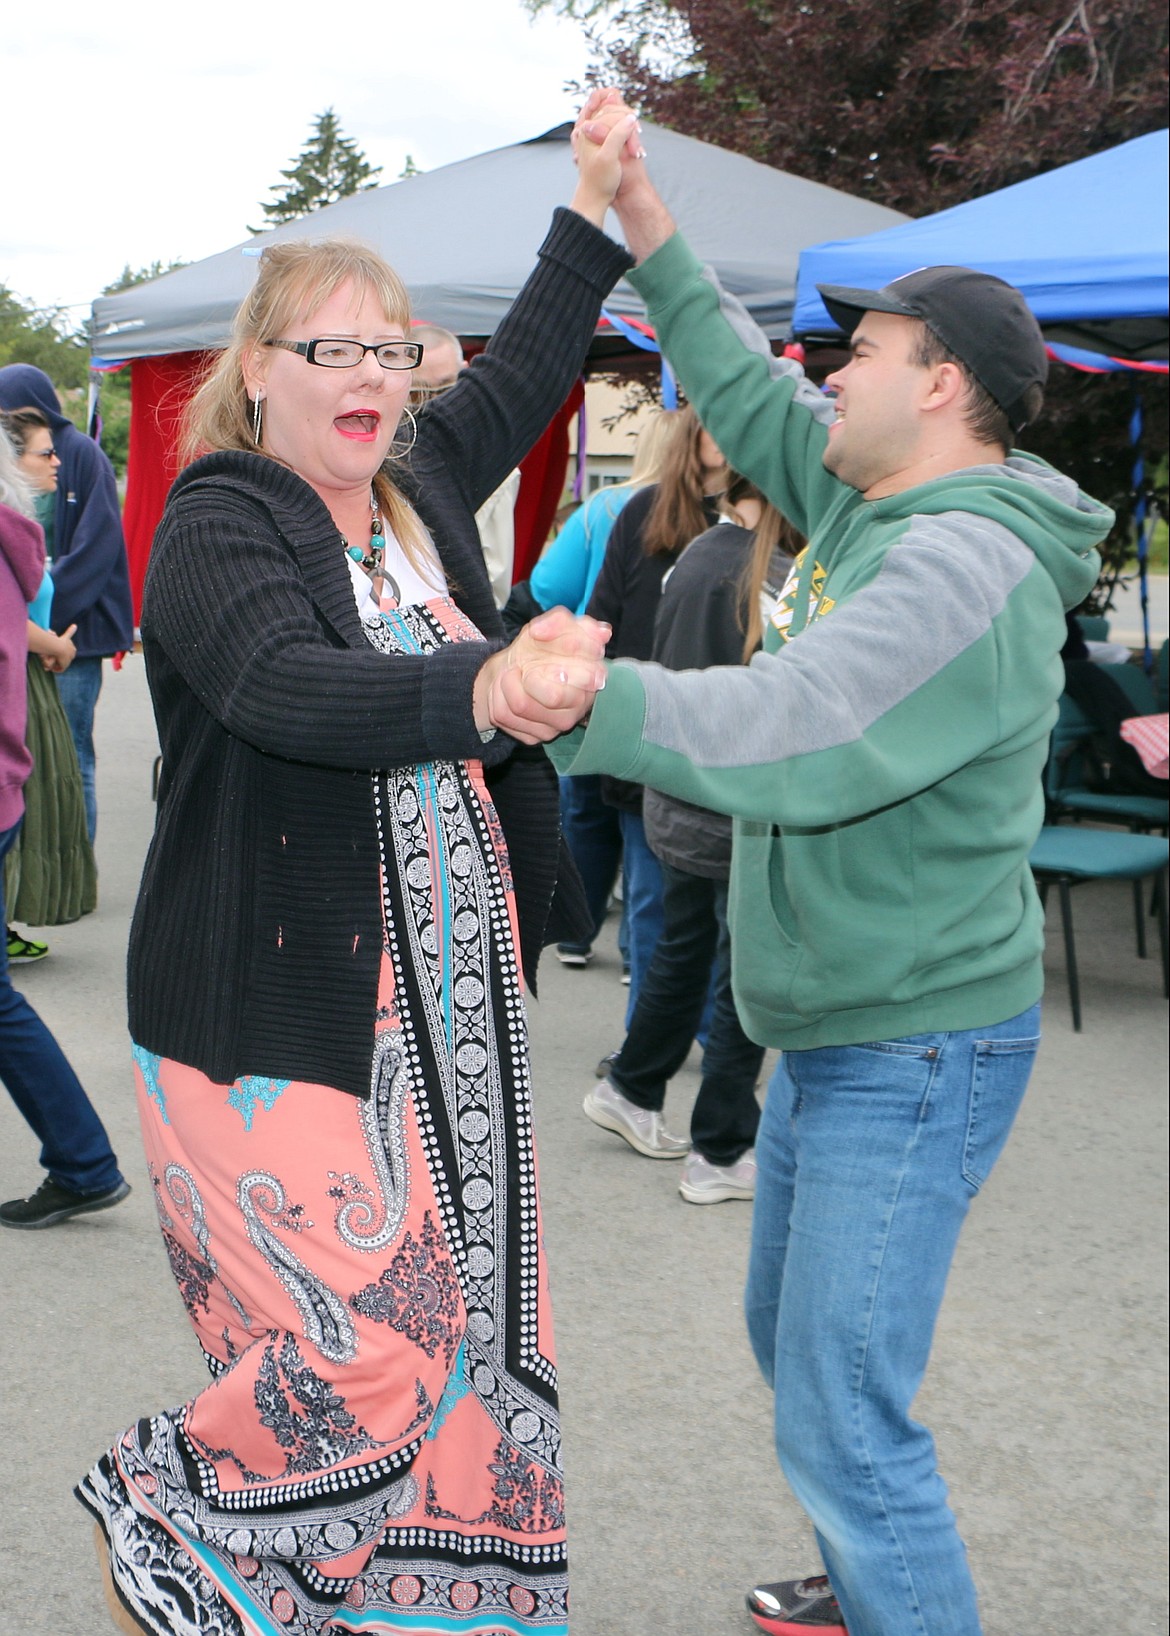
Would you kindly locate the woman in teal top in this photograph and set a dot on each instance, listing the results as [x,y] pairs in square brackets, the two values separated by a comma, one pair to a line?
[565,574]
[564,577]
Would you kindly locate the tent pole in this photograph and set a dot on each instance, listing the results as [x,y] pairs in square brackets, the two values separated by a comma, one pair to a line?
[1143,522]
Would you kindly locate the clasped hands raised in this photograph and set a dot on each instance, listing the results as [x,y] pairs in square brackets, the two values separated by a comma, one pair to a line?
[606,141]
[607,145]
[544,682]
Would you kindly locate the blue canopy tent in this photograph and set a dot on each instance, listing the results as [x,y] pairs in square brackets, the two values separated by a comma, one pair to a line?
[1086,243]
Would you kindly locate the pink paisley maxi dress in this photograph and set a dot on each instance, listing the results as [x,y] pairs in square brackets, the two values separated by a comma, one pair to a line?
[379,1447]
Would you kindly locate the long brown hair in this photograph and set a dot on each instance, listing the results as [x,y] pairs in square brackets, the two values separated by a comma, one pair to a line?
[676,515]
[775,538]
[649,449]
[295,278]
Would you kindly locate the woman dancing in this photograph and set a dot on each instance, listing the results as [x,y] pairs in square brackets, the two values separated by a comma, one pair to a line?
[353,861]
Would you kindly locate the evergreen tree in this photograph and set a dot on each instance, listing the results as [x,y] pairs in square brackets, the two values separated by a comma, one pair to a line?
[131,276]
[330,167]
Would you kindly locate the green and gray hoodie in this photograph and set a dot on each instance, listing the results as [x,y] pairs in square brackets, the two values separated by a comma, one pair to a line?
[883,755]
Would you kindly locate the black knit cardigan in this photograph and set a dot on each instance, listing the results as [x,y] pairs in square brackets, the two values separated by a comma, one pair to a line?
[256,940]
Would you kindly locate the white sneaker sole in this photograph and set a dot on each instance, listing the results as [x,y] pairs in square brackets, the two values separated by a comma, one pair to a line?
[715,1195]
[601,1115]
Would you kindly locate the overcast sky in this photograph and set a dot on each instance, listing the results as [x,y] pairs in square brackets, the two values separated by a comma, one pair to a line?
[140,133]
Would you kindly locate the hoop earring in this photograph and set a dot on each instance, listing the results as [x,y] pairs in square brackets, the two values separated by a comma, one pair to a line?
[257,415]
[405,448]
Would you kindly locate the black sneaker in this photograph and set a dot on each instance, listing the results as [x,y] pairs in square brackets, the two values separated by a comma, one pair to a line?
[52,1203]
[793,1607]
[606,1063]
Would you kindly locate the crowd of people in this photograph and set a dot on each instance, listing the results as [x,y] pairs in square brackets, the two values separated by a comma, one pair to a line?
[362,846]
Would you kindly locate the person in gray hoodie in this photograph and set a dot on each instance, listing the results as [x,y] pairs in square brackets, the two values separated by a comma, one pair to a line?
[87,550]
[83,1173]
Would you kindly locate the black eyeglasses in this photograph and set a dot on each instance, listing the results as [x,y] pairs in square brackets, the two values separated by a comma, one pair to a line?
[332,354]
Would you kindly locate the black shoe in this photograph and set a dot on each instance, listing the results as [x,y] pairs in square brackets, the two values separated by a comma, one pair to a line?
[792,1607]
[606,1063]
[52,1203]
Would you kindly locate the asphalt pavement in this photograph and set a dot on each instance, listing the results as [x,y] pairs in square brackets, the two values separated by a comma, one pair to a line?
[1046,1392]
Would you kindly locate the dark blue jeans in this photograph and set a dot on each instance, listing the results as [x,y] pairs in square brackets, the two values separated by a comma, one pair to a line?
[641,903]
[667,1014]
[594,838]
[79,687]
[75,1149]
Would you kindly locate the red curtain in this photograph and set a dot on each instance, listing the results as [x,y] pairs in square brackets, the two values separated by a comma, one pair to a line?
[542,482]
[159,391]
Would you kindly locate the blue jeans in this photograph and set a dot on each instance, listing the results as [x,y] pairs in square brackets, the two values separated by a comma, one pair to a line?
[642,897]
[869,1156]
[75,1149]
[668,1014]
[79,687]
[594,839]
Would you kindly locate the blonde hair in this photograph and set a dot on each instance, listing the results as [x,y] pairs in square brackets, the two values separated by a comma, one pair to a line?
[650,448]
[677,515]
[774,538]
[297,277]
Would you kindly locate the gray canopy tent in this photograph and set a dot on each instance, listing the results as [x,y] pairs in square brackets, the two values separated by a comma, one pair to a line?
[464,238]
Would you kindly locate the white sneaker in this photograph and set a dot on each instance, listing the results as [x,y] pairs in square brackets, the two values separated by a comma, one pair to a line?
[568,955]
[642,1128]
[705,1183]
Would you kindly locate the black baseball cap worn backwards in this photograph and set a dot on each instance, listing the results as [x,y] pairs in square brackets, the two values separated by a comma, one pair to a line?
[984,321]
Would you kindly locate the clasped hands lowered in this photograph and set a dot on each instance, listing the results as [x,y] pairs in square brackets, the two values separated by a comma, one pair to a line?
[544,682]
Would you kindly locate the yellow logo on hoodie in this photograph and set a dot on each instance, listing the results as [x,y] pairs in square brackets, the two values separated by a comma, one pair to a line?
[818,602]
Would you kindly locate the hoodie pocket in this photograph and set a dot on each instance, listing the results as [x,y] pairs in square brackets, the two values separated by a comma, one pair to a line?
[765,957]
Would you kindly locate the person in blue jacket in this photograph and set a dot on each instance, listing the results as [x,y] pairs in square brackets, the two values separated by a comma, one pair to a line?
[564,576]
[91,576]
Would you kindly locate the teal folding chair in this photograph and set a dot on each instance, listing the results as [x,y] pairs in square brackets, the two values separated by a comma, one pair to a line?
[1065,791]
[1067,857]
[1139,688]
[1094,627]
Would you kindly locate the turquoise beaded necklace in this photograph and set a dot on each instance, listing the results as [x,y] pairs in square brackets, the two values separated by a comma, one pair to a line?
[370,560]
[386,588]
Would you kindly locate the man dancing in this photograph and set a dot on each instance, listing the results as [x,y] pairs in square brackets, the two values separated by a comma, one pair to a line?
[882,758]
